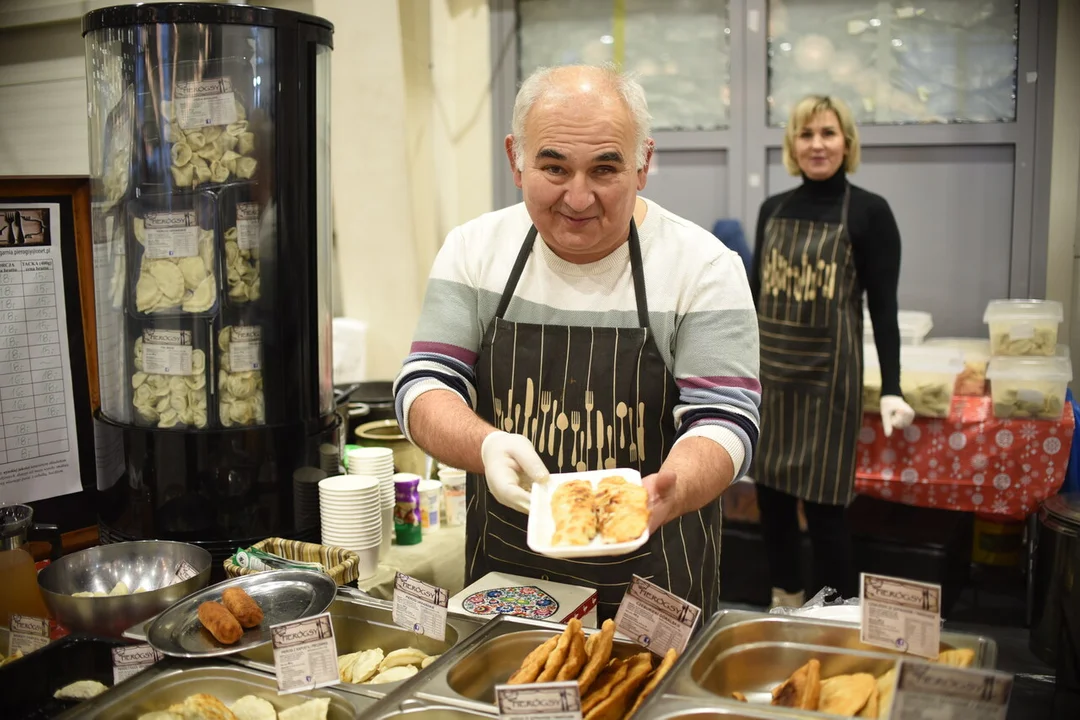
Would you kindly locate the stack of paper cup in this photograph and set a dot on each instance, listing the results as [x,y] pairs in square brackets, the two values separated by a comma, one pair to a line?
[453,482]
[306,496]
[351,518]
[378,462]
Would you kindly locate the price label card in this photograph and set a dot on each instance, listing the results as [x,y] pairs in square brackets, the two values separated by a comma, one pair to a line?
[654,618]
[305,655]
[900,614]
[941,692]
[420,607]
[28,634]
[131,660]
[539,701]
[184,571]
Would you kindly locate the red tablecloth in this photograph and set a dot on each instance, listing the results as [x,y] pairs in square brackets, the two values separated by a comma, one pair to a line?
[969,461]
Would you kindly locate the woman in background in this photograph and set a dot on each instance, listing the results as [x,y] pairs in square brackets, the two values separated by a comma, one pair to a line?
[818,248]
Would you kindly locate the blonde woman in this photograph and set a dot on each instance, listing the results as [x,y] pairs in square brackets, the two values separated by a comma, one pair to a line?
[818,248]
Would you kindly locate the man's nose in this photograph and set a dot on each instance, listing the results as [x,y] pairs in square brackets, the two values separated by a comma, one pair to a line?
[579,194]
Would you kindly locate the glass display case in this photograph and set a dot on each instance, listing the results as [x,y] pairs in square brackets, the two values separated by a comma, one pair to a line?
[209,153]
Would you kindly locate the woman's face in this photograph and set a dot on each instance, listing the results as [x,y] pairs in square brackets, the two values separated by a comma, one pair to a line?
[820,146]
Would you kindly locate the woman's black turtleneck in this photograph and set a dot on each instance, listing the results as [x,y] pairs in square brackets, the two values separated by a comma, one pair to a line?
[875,243]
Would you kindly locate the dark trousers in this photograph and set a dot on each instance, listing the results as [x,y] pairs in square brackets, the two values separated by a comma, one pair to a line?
[830,540]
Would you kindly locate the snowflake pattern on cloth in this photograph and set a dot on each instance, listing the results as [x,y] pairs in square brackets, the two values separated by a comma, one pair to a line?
[969,461]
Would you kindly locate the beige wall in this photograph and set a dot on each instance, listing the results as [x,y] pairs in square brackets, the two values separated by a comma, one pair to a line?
[1063,261]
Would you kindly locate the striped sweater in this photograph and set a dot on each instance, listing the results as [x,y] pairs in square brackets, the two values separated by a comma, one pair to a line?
[700,310]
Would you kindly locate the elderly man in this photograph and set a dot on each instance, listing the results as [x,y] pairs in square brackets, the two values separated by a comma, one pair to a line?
[587,328]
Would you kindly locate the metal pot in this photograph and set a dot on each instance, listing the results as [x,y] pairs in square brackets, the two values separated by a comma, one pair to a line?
[368,402]
[386,433]
[1056,571]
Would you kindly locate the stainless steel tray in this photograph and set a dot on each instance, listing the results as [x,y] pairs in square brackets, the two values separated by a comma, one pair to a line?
[283,595]
[659,707]
[466,676]
[419,710]
[731,628]
[171,680]
[361,623]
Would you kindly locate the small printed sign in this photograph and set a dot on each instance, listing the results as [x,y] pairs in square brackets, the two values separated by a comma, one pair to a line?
[185,571]
[927,691]
[420,607]
[539,701]
[28,634]
[654,618]
[305,654]
[902,615]
[131,660]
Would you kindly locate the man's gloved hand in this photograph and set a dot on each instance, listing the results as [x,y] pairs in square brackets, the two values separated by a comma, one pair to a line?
[895,413]
[511,466]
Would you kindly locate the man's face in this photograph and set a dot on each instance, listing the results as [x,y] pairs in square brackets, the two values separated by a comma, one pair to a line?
[580,180]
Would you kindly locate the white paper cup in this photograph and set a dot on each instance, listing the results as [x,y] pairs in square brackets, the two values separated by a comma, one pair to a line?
[454,498]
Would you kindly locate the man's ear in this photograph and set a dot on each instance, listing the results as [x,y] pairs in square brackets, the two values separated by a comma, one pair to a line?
[509,144]
[643,173]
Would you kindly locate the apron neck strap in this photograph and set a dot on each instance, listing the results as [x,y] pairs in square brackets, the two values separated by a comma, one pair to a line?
[637,272]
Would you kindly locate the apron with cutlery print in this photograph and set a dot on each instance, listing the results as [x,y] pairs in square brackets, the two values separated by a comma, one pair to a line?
[589,398]
[810,323]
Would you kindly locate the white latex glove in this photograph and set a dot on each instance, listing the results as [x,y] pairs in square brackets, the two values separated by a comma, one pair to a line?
[511,466]
[895,413]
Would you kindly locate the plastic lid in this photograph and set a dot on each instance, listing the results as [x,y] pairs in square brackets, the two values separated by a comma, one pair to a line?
[912,323]
[1053,369]
[1031,310]
[1065,506]
[920,358]
[971,347]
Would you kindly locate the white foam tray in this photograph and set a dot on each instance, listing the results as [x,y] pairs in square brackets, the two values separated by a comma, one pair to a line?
[542,525]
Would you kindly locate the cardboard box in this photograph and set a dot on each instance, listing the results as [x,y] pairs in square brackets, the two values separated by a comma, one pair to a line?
[501,594]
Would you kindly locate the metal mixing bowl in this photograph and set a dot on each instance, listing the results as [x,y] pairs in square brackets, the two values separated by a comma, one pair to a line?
[149,563]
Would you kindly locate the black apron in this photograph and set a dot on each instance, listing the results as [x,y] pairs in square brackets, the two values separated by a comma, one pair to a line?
[589,398]
[810,323]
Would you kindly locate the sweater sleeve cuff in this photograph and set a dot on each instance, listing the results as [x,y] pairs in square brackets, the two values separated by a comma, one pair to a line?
[723,437]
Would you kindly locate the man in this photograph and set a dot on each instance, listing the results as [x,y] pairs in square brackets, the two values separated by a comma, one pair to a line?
[587,328]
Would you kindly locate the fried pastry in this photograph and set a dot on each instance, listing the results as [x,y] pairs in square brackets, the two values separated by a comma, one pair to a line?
[611,675]
[613,707]
[886,685]
[573,513]
[962,657]
[658,674]
[802,689]
[622,510]
[598,649]
[243,607]
[533,664]
[871,709]
[846,694]
[558,656]
[203,707]
[739,696]
[216,618]
[575,657]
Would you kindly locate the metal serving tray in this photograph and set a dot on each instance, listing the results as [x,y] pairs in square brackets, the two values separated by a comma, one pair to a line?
[731,628]
[172,680]
[466,677]
[659,707]
[418,710]
[360,623]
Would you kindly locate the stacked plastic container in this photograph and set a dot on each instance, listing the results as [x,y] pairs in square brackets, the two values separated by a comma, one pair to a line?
[1028,372]
[928,376]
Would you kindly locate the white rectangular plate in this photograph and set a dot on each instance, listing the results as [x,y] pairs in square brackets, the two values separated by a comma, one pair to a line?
[542,525]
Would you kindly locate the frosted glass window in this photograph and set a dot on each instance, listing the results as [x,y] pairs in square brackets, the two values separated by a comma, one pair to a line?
[896,61]
[678,49]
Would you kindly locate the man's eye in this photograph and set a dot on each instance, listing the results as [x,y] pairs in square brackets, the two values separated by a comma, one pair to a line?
[604,170]
[553,169]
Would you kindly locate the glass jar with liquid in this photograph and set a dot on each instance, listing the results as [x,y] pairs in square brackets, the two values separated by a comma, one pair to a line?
[18,574]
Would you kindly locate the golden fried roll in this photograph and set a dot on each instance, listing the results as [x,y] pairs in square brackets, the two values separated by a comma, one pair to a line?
[871,708]
[598,649]
[242,606]
[738,696]
[622,510]
[533,664]
[846,694]
[611,676]
[217,619]
[573,513]
[962,657]
[558,656]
